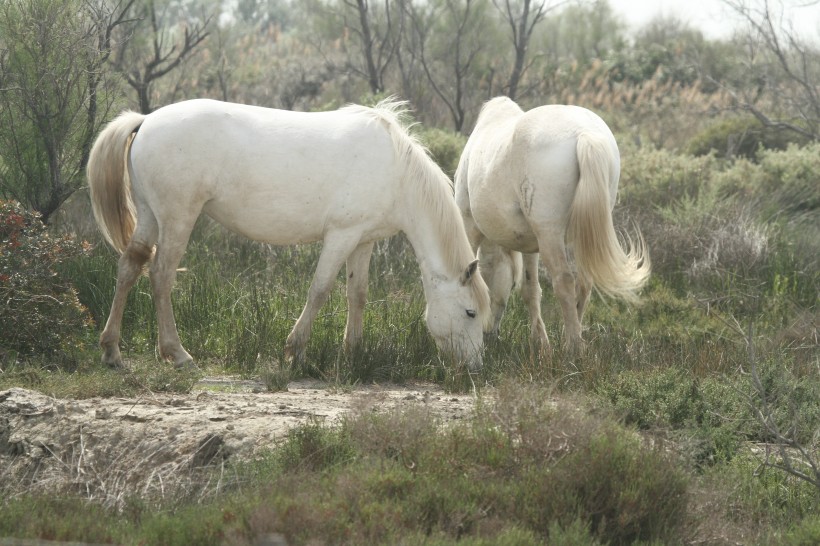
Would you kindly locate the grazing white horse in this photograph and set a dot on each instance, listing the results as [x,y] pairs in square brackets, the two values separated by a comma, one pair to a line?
[535,182]
[346,178]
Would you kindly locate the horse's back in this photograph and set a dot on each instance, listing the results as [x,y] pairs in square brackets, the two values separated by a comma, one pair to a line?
[522,168]
[238,138]
[272,175]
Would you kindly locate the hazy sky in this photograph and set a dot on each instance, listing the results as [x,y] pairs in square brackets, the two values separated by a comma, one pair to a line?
[712,16]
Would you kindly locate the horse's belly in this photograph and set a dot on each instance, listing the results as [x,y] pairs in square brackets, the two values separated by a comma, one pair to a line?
[507,226]
[277,228]
[286,223]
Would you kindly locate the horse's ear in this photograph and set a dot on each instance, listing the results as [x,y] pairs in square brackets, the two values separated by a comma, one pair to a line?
[467,276]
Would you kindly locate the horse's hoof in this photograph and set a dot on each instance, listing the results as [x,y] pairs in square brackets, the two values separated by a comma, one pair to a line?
[113,361]
[575,349]
[294,354]
[186,366]
[294,357]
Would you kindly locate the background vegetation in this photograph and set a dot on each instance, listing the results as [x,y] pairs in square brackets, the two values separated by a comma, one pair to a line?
[701,405]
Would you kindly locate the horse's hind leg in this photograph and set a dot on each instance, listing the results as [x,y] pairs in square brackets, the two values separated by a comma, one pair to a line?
[583,290]
[358,265]
[170,248]
[531,294]
[553,253]
[129,268]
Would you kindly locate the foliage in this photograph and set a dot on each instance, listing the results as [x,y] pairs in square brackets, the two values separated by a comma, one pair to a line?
[723,226]
[766,497]
[527,467]
[521,467]
[741,136]
[41,314]
[53,96]
[805,534]
[445,147]
[156,43]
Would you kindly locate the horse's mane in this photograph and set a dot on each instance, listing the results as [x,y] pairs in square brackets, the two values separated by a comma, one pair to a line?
[433,189]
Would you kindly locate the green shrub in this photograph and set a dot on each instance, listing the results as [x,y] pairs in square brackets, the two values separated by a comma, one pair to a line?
[525,469]
[314,447]
[665,398]
[742,136]
[707,417]
[792,180]
[444,146]
[806,533]
[41,314]
[652,179]
[793,401]
[766,497]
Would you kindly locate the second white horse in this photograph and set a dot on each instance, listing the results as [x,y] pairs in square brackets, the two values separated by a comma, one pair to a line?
[537,182]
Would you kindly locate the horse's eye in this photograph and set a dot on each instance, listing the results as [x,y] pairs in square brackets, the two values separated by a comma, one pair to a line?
[471,313]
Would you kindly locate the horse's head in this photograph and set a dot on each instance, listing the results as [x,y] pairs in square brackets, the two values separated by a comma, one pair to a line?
[501,269]
[457,312]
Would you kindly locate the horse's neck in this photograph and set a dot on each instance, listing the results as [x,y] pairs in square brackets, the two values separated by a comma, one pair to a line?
[428,244]
[435,242]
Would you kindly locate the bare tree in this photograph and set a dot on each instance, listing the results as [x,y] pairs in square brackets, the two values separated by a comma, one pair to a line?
[54,94]
[144,64]
[359,38]
[377,48]
[787,95]
[453,30]
[522,16]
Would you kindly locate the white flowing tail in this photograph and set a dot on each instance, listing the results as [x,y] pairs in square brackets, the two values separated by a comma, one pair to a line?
[598,253]
[108,180]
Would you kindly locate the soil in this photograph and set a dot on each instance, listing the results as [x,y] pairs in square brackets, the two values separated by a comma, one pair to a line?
[110,448]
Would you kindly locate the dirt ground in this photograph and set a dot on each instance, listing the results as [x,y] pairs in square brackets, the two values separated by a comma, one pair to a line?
[109,448]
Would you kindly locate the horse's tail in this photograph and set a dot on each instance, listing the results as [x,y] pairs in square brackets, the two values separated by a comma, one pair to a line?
[109,183]
[598,253]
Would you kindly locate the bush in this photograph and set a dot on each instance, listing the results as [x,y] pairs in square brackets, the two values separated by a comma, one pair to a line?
[791,183]
[41,314]
[525,470]
[740,136]
[805,534]
[445,147]
[707,417]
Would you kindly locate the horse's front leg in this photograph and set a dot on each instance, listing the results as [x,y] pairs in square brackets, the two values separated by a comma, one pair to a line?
[358,265]
[335,250]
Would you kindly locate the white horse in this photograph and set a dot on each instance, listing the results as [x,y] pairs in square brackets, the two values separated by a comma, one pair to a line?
[535,182]
[346,178]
